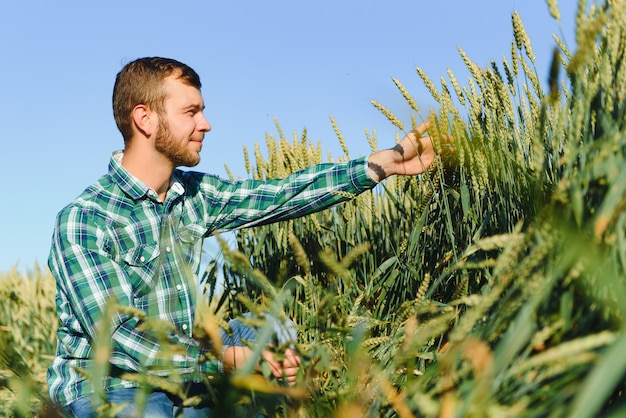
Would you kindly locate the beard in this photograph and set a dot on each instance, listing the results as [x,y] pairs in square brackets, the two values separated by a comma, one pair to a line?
[174,149]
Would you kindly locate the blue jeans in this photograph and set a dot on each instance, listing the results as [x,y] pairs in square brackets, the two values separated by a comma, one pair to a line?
[162,405]
[158,405]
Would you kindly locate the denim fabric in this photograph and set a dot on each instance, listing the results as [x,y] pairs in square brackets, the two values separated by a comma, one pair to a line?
[158,405]
[283,333]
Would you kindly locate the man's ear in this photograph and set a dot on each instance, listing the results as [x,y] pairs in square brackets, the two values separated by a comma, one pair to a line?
[144,119]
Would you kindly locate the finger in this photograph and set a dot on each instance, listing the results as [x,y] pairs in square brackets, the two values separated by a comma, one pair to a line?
[448,138]
[421,129]
[416,138]
[420,146]
[292,359]
[275,366]
[277,371]
[290,374]
[447,145]
[291,366]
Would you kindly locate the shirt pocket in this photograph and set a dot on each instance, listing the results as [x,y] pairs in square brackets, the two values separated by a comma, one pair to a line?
[144,268]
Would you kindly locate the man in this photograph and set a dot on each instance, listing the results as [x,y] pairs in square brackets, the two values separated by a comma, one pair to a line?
[135,236]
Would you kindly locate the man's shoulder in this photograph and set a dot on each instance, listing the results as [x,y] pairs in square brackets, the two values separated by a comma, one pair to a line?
[193,176]
[94,196]
[193,181]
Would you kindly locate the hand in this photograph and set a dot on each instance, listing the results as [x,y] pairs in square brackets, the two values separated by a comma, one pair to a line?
[411,156]
[287,370]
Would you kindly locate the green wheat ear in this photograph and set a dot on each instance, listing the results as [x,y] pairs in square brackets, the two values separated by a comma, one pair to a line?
[407,96]
[554,10]
[299,253]
[388,114]
[229,173]
[340,137]
[371,140]
[428,83]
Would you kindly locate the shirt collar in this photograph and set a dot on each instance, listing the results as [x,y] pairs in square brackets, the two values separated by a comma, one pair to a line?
[129,184]
[177,183]
[134,187]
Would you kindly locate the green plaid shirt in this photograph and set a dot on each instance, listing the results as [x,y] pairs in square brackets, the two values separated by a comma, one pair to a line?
[117,240]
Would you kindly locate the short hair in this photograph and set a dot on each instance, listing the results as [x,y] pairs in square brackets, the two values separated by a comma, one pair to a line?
[141,82]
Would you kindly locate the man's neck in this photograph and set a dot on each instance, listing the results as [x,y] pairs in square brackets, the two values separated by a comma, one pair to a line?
[151,168]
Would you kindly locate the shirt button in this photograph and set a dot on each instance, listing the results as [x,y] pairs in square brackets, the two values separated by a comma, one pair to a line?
[184,327]
[168,249]
[142,258]
[179,287]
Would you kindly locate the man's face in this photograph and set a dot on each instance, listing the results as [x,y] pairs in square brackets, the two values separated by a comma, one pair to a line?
[182,125]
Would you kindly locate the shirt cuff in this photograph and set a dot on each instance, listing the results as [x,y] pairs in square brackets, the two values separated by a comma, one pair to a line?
[365,176]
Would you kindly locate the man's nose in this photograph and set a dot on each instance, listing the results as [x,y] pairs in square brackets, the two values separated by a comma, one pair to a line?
[203,124]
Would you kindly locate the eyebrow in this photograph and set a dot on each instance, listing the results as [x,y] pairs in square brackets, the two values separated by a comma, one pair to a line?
[196,107]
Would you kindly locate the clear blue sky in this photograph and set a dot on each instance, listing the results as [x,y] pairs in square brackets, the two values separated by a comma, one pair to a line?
[297,61]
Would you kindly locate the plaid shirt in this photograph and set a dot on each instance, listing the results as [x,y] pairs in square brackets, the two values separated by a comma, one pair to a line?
[117,240]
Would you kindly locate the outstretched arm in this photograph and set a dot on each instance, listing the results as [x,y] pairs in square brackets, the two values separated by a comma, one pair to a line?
[411,156]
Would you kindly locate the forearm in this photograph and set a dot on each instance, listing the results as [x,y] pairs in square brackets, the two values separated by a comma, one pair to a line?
[235,357]
[252,203]
[380,165]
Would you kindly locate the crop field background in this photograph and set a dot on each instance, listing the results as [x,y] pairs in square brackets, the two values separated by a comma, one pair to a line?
[492,286]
